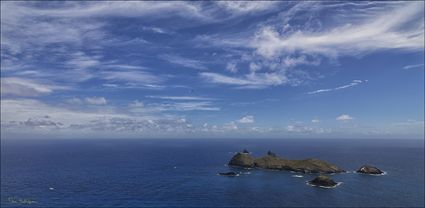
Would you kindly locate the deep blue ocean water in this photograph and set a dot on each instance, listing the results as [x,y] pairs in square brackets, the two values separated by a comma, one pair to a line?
[183,172]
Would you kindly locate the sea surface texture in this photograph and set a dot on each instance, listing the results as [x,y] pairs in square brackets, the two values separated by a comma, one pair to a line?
[183,172]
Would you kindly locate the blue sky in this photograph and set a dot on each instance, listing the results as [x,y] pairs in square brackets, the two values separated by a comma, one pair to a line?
[212,69]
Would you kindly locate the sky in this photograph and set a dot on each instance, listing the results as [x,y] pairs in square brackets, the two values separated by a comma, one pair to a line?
[216,69]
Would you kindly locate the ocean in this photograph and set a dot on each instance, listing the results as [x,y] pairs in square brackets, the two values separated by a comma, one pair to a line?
[183,173]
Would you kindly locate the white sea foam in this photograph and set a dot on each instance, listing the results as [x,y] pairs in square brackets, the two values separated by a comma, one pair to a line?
[382,174]
[297,176]
[337,184]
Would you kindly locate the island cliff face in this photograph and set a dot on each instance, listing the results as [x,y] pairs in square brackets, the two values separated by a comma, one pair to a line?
[271,161]
[242,159]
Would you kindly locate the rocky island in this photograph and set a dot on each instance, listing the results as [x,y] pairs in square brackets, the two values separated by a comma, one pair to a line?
[323,181]
[367,169]
[272,161]
[228,173]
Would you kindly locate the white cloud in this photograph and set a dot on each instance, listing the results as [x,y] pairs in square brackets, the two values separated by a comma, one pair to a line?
[413,66]
[301,60]
[132,77]
[43,122]
[249,81]
[402,28]
[344,117]
[184,106]
[352,84]
[22,109]
[102,9]
[179,97]
[34,117]
[136,104]
[231,67]
[246,119]
[88,100]
[315,121]
[24,32]
[26,87]
[230,126]
[185,62]
[95,100]
[155,30]
[110,85]
[247,6]
[76,24]
[410,122]
[74,101]
[27,115]
[80,60]
[253,67]
[301,129]
[296,37]
[29,30]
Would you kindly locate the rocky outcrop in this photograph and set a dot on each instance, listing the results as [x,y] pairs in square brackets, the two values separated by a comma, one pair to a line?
[229,174]
[270,153]
[241,159]
[272,161]
[367,169]
[323,181]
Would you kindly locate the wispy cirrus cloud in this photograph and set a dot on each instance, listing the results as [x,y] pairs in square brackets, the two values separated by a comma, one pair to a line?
[75,35]
[102,9]
[242,7]
[133,78]
[178,97]
[402,29]
[249,81]
[80,60]
[155,30]
[282,43]
[352,84]
[185,62]
[27,87]
[413,66]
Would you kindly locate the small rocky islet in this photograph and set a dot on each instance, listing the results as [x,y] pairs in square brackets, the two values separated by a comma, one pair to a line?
[231,173]
[322,181]
[368,169]
[244,159]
